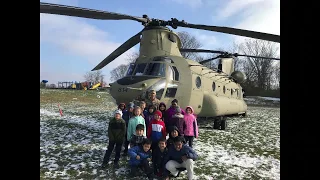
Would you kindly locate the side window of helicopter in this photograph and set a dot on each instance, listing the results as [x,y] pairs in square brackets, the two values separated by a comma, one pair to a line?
[140,69]
[159,88]
[198,82]
[176,73]
[213,86]
[231,91]
[130,69]
[224,89]
[172,38]
[171,90]
[156,69]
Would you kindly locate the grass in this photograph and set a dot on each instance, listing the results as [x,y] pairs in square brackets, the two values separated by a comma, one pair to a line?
[72,146]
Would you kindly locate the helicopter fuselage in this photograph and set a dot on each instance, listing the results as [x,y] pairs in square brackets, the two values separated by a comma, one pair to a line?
[161,67]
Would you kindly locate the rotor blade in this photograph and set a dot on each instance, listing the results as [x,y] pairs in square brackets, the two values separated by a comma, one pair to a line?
[50,8]
[134,40]
[236,55]
[201,51]
[234,31]
[205,61]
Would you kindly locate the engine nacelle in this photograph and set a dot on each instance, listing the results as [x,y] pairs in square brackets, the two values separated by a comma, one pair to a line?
[239,76]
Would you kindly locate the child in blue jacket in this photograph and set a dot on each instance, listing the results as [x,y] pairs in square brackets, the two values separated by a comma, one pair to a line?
[140,157]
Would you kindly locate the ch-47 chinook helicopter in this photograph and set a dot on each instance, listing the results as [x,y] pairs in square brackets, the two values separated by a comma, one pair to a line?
[161,67]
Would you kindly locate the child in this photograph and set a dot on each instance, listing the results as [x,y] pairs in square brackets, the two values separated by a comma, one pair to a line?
[156,129]
[161,151]
[127,114]
[163,108]
[143,108]
[172,110]
[134,121]
[122,107]
[140,157]
[116,134]
[191,127]
[180,156]
[149,115]
[178,120]
[173,132]
[137,139]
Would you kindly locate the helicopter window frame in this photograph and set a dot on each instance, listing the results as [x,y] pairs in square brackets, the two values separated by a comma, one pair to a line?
[171,90]
[176,74]
[159,87]
[231,91]
[136,67]
[170,73]
[162,66]
[213,86]
[131,67]
[162,59]
[198,82]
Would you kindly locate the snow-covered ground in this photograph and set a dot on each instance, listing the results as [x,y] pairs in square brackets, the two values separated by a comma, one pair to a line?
[72,146]
[262,101]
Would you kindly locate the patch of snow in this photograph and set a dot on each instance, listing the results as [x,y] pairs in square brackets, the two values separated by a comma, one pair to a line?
[270,98]
[45,112]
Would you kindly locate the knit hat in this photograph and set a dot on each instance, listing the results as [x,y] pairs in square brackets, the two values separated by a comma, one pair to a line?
[158,113]
[131,105]
[178,109]
[118,112]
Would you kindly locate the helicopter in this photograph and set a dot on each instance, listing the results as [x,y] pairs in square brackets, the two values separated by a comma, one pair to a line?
[213,93]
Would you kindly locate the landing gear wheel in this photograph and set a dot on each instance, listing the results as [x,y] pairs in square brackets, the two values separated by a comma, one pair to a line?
[224,123]
[244,114]
[216,123]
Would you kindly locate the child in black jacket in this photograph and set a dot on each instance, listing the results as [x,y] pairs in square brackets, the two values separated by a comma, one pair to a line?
[137,139]
[158,160]
[116,134]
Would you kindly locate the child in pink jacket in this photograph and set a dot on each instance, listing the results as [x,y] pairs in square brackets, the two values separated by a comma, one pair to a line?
[191,126]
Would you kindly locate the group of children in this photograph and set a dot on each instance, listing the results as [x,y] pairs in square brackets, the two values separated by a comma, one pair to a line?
[145,130]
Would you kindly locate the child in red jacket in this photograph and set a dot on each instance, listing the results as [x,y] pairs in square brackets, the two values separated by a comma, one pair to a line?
[156,129]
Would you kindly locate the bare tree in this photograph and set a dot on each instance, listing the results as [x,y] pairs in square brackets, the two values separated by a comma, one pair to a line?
[42,85]
[132,57]
[258,70]
[276,76]
[211,64]
[189,42]
[118,72]
[238,62]
[94,77]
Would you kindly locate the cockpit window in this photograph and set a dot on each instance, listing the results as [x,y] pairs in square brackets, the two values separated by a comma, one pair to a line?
[139,69]
[156,69]
[130,69]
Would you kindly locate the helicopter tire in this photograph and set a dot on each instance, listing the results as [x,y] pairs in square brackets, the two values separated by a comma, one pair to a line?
[244,114]
[217,122]
[224,123]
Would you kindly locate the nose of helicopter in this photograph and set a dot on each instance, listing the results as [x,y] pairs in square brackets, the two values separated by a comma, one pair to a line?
[127,93]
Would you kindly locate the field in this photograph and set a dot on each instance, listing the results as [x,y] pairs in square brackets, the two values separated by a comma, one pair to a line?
[72,146]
